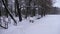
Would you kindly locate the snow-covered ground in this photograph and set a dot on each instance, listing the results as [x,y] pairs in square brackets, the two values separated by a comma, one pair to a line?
[50,24]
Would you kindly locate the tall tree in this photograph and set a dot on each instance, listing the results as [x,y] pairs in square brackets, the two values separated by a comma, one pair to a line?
[28,7]
[0,8]
[15,8]
[19,10]
[6,2]
[8,11]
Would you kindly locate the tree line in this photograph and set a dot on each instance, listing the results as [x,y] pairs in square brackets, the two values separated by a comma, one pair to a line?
[24,7]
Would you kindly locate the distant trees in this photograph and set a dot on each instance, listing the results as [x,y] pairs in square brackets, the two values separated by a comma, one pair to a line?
[45,6]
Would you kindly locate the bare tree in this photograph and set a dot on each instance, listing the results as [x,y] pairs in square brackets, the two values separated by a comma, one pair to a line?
[8,11]
[28,7]
[19,10]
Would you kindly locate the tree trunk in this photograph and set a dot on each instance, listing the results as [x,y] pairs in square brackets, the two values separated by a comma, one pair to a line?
[8,11]
[19,10]
[28,9]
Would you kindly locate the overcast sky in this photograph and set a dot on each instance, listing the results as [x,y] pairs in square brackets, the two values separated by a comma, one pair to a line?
[57,3]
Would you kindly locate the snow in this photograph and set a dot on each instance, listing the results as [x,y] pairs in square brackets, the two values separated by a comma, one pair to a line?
[50,24]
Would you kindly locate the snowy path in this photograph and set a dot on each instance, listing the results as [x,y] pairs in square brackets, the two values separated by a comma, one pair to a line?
[46,25]
[49,24]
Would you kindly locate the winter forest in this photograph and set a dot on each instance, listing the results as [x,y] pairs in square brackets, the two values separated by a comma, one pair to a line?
[26,16]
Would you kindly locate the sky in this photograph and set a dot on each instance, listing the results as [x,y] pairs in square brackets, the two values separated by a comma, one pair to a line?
[57,3]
